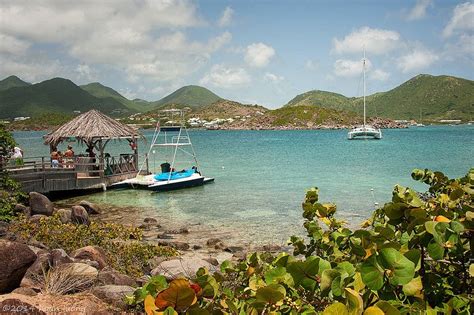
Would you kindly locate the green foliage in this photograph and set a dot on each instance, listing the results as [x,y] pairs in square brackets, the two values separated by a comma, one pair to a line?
[10,193]
[123,246]
[41,122]
[300,116]
[11,82]
[53,96]
[385,268]
[437,97]
[192,95]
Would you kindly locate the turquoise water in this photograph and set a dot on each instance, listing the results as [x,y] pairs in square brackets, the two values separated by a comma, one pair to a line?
[261,176]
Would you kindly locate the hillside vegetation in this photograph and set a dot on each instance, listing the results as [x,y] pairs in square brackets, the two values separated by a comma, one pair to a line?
[101,91]
[54,96]
[432,97]
[11,82]
[192,96]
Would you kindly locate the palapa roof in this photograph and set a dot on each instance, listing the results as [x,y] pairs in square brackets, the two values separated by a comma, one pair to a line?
[91,126]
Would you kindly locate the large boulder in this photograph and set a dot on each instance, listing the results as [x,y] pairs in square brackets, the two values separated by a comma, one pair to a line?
[113,294]
[17,306]
[41,264]
[40,204]
[185,266]
[90,207]
[15,258]
[94,253]
[79,270]
[109,275]
[79,215]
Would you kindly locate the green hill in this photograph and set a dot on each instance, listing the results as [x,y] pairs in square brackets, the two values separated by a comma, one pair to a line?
[101,91]
[435,97]
[12,81]
[54,96]
[192,95]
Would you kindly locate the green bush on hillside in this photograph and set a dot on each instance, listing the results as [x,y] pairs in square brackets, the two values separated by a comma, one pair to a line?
[412,257]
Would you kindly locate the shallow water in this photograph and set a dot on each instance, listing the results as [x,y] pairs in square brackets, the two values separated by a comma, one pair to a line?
[261,177]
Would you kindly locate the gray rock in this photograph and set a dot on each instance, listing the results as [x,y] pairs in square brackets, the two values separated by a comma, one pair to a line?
[164,236]
[59,256]
[15,259]
[111,276]
[113,294]
[196,247]
[40,204]
[79,215]
[175,245]
[94,253]
[150,221]
[19,208]
[212,261]
[25,291]
[180,267]
[36,218]
[213,241]
[90,207]
[65,215]
[233,249]
[3,228]
[178,231]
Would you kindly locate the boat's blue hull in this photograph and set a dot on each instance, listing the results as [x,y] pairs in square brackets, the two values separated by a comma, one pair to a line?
[177,185]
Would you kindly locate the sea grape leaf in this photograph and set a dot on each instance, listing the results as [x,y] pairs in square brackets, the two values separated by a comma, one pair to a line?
[178,295]
[278,275]
[336,309]
[305,273]
[401,268]
[471,270]
[327,279]
[373,310]
[372,274]
[354,301]
[149,305]
[272,294]
[435,250]
[414,287]
[387,308]
[358,283]
[414,255]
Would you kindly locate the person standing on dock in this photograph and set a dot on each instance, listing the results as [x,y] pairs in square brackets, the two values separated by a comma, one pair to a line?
[69,157]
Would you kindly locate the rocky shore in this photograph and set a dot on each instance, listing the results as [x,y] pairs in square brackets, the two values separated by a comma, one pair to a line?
[39,278]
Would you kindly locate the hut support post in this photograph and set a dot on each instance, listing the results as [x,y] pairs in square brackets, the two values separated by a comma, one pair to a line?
[101,159]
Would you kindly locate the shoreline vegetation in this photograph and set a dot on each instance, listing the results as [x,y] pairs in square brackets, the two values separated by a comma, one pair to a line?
[413,255]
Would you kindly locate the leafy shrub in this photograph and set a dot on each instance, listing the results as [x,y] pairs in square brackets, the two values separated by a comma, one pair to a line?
[10,192]
[123,246]
[413,256]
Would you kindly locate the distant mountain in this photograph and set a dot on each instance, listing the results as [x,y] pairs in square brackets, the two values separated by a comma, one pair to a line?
[12,81]
[192,95]
[101,91]
[57,95]
[432,97]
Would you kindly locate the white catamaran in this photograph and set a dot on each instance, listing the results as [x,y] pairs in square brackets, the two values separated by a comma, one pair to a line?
[174,139]
[364,131]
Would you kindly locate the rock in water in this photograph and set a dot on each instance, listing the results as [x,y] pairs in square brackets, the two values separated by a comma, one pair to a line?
[90,207]
[15,258]
[40,204]
[79,215]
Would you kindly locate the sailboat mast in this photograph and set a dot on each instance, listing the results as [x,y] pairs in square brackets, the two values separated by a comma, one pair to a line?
[363,69]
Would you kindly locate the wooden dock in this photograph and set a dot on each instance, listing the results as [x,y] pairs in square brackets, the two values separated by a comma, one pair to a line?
[38,174]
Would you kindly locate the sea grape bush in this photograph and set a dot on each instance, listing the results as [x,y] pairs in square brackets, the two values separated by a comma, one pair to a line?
[413,256]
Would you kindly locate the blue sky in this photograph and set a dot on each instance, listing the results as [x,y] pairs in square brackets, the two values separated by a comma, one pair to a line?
[263,52]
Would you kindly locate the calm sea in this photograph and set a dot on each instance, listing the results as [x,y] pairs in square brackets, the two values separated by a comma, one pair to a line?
[261,176]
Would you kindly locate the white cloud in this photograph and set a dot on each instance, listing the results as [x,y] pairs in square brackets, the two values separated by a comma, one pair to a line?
[136,37]
[12,45]
[417,59]
[226,17]
[379,75]
[419,10]
[85,72]
[259,54]
[32,69]
[462,19]
[271,77]
[226,77]
[375,41]
[350,68]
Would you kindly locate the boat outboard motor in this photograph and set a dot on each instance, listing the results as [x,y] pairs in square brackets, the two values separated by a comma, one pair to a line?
[165,167]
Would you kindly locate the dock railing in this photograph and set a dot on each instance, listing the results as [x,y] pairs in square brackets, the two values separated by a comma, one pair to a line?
[81,172]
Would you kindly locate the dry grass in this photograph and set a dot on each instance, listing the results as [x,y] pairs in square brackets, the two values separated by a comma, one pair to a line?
[63,280]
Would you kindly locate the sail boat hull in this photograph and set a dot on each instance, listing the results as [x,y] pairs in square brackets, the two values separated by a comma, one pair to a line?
[364,132]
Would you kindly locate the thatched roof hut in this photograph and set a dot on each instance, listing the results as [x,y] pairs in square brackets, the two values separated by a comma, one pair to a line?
[94,129]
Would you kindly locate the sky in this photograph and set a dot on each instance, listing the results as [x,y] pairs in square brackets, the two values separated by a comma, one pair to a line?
[256,52]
